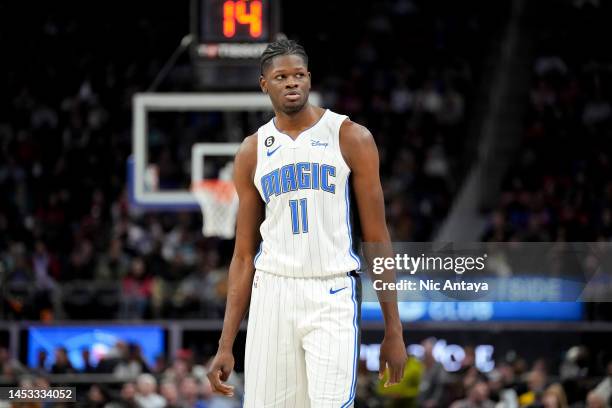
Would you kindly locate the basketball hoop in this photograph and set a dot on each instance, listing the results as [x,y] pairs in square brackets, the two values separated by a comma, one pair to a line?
[219,203]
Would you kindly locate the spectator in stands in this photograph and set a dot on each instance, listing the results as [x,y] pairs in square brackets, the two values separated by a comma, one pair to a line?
[117,354]
[595,400]
[169,391]
[160,365]
[16,278]
[19,269]
[434,378]
[554,397]
[575,364]
[114,264]
[41,361]
[468,364]
[508,374]
[146,395]
[41,382]
[45,265]
[189,392]
[366,385]
[500,393]
[467,375]
[127,397]
[179,243]
[477,397]
[62,364]
[604,388]
[81,265]
[137,289]
[199,294]
[87,366]
[132,364]
[536,384]
[10,368]
[26,382]
[96,397]
[180,367]
[574,373]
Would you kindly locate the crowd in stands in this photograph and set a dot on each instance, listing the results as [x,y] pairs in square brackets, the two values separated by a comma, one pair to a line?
[411,80]
[65,135]
[123,378]
[583,379]
[559,188]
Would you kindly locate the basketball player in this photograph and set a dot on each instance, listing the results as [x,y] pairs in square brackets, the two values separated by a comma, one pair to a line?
[292,179]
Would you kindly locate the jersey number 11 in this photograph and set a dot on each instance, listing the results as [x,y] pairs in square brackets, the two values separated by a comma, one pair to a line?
[295,211]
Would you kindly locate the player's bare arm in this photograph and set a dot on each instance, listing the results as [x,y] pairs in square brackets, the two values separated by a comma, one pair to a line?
[241,270]
[360,153]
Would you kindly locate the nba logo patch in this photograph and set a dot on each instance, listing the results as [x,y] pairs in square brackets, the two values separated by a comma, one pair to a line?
[255,281]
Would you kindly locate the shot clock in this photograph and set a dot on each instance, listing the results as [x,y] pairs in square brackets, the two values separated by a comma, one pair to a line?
[235,21]
[231,35]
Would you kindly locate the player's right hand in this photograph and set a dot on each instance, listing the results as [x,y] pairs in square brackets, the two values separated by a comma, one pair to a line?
[220,370]
[393,356]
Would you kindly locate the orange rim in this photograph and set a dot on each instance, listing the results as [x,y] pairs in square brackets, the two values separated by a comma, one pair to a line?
[221,190]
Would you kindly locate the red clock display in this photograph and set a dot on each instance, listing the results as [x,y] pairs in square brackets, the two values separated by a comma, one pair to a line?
[235,21]
[235,12]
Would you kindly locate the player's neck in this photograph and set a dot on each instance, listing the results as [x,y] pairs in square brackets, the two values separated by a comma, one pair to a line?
[296,123]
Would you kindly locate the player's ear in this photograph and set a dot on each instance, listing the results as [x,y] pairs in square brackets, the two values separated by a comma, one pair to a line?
[263,84]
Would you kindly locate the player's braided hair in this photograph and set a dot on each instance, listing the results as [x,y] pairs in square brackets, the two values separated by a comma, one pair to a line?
[281,47]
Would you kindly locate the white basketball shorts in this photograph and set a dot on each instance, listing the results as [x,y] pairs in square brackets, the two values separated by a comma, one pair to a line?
[302,342]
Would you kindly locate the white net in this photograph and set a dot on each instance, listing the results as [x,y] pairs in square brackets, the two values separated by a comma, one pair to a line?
[216,195]
[219,203]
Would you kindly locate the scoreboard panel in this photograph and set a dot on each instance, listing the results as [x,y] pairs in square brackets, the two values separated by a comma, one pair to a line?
[231,35]
[235,21]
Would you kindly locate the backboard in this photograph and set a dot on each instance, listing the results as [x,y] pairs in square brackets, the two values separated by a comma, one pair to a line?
[206,130]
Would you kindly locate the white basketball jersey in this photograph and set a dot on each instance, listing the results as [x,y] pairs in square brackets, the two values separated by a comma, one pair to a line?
[304,184]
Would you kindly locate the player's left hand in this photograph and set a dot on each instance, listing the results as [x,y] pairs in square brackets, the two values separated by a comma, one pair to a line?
[392,356]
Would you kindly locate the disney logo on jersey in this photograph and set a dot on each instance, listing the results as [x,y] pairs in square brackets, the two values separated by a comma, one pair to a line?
[318,143]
